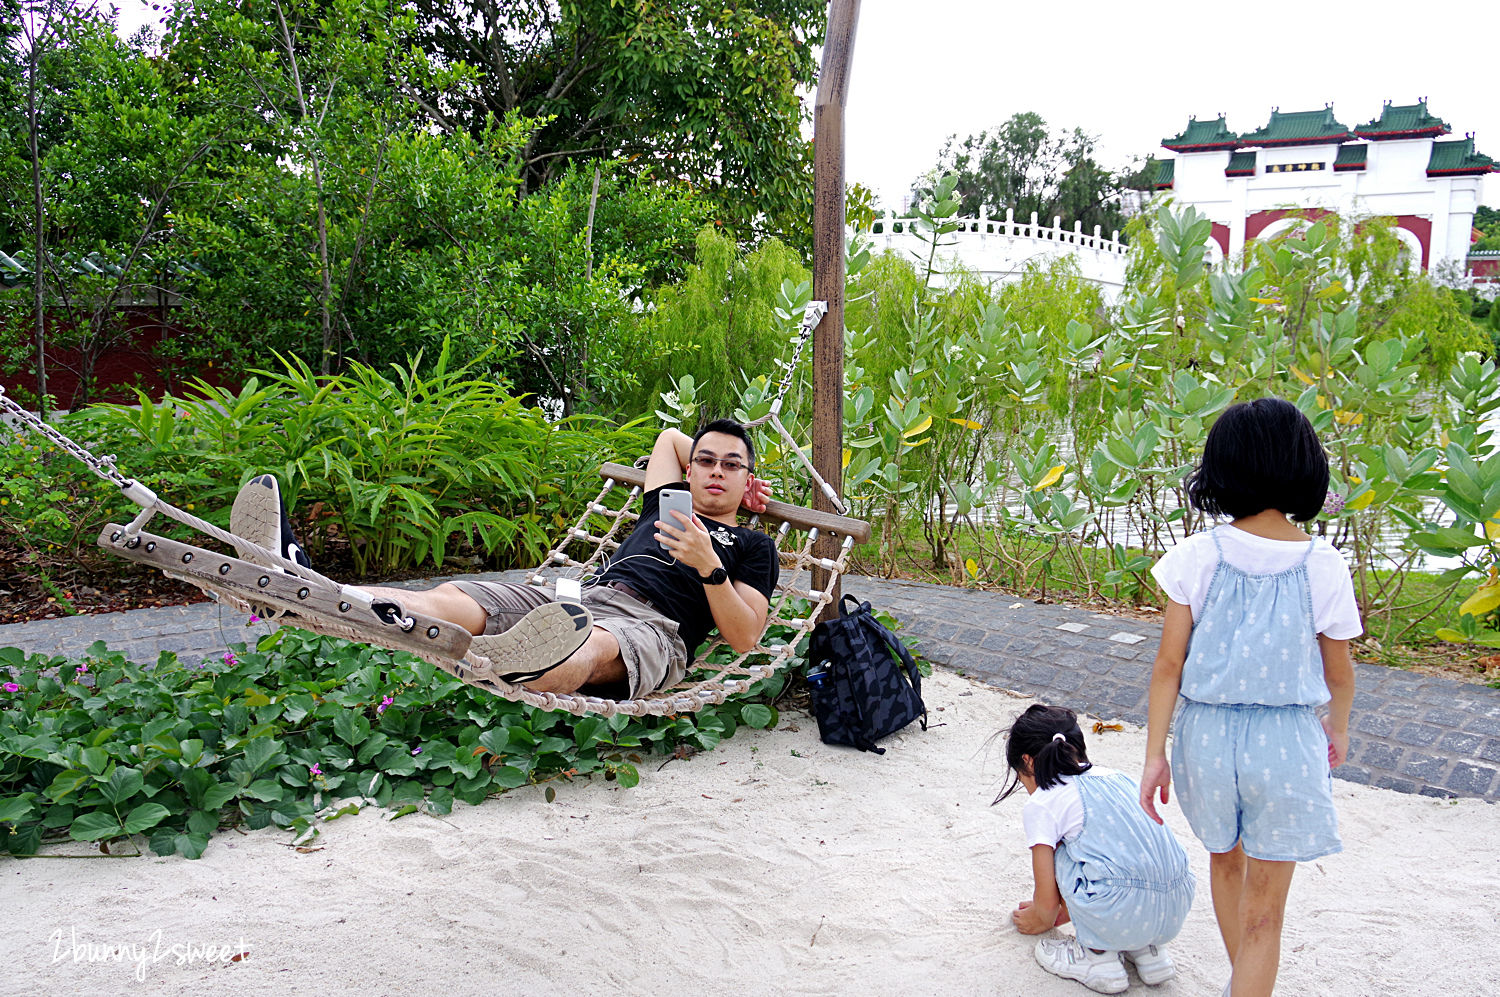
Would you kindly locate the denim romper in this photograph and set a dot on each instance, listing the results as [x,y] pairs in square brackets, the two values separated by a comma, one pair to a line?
[1124,877]
[1249,754]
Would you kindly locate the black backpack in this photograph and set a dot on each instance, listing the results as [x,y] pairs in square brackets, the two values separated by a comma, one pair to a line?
[861,690]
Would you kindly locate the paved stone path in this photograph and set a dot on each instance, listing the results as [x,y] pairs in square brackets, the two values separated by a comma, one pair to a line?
[1411,733]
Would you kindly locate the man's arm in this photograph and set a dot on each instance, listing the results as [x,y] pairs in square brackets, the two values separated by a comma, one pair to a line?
[669,462]
[739,610]
[669,458]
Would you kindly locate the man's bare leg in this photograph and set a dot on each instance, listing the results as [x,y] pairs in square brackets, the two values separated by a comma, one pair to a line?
[445,602]
[597,662]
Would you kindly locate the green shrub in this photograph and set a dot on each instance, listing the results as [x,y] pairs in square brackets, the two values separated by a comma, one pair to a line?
[399,461]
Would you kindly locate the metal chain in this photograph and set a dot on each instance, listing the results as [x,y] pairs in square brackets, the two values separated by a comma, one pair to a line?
[811,316]
[104,466]
[144,497]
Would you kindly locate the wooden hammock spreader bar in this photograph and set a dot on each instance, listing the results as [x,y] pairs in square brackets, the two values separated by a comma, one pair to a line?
[251,583]
[800,517]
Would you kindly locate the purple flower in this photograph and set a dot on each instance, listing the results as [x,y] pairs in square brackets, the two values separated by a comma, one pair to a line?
[229,659]
[254,618]
[83,667]
[387,701]
[1333,504]
[416,751]
[12,687]
[314,770]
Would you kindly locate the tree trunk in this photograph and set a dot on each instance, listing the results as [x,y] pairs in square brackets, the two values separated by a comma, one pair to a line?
[38,286]
[828,270]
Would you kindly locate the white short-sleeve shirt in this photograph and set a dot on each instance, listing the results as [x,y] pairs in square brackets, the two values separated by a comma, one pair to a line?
[1185,571]
[1054,814]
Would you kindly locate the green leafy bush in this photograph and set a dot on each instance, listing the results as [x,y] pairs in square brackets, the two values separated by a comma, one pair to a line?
[398,461]
[297,732]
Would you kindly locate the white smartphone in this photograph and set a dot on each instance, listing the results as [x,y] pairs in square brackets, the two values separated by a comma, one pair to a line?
[674,500]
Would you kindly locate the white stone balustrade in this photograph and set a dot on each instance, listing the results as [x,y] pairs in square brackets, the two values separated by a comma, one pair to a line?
[1001,248]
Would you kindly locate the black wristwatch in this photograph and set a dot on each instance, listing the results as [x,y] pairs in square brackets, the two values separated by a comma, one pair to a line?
[718,576]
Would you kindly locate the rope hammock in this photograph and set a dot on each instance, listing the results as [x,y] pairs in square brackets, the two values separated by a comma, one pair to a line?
[305,599]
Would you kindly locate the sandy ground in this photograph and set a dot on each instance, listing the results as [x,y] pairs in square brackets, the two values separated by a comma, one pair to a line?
[771,865]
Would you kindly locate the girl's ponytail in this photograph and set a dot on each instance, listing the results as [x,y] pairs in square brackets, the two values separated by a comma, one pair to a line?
[1064,754]
[1051,738]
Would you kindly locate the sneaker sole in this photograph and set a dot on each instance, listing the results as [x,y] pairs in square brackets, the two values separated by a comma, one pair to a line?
[543,639]
[256,517]
[1153,970]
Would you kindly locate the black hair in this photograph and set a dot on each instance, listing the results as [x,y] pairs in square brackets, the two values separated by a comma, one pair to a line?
[1261,455]
[1035,734]
[729,428]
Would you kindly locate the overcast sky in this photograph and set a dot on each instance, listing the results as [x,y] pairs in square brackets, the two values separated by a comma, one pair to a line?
[1132,73]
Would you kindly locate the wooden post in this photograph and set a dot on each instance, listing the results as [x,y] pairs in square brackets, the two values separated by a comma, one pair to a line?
[828,266]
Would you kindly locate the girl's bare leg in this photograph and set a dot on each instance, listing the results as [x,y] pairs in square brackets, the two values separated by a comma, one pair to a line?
[1226,873]
[1262,912]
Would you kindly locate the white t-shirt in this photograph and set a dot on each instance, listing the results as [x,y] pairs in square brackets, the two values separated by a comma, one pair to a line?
[1054,814]
[1185,571]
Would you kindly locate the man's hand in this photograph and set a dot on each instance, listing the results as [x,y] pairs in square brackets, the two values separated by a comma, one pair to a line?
[688,542]
[757,492]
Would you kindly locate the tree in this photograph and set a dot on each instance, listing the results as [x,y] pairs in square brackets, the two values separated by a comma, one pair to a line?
[1021,166]
[703,92]
[331,83]
[1487,220]
[114,140]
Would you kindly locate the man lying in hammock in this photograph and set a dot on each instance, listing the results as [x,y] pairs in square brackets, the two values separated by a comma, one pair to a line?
[640,622]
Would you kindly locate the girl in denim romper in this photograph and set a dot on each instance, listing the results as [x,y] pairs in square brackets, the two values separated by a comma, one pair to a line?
[1123,881]
[1254,642]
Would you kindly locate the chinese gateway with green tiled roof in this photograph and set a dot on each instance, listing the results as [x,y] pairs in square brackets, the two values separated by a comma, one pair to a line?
[1299,164]
[1298,128]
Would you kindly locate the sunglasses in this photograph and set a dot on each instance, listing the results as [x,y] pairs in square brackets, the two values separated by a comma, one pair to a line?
[729,464]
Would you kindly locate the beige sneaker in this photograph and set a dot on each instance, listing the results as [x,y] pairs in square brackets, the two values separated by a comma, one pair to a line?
[259,517]
[543,639]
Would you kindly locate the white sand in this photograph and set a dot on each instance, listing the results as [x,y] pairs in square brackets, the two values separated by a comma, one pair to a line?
[771,865]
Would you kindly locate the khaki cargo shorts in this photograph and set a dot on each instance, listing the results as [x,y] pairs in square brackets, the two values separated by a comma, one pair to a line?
[654,654]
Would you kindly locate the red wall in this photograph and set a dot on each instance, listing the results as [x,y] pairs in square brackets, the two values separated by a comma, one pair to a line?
[1422,229]
[1261,220]
[1220,235]
[131,361]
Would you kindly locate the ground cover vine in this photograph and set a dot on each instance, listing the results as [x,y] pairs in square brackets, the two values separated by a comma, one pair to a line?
[293,732]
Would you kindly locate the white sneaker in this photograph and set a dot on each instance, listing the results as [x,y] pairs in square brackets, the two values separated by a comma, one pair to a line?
[1101,972]
[1153,964]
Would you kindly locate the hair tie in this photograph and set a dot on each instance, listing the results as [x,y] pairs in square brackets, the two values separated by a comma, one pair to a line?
[1058,736]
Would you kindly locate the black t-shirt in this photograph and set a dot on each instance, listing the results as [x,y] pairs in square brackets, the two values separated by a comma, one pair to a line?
[748,555]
